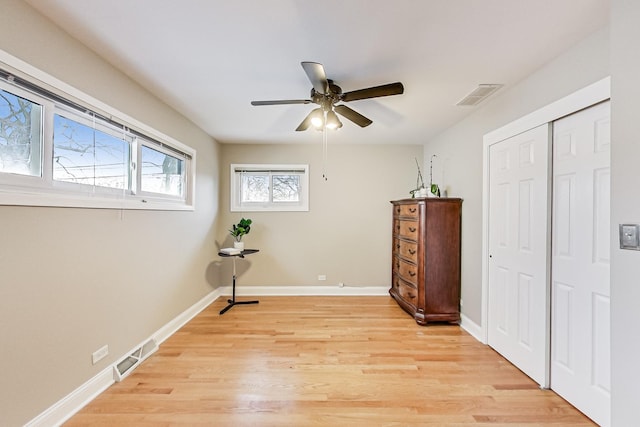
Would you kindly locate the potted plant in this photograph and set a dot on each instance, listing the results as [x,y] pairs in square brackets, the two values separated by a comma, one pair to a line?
[239,230]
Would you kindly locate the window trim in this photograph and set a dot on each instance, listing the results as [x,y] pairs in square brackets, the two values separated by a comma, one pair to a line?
[235,184]
[29,190]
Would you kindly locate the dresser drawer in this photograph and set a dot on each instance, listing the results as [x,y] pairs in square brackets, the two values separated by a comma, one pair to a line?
[406,291]
[406,228]
[407,250]
[406,270]
[410,210]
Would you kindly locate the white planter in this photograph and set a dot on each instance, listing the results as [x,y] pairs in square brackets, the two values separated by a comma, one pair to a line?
[238,245]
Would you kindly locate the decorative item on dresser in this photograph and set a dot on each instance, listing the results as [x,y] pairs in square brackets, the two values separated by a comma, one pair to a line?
[426,258]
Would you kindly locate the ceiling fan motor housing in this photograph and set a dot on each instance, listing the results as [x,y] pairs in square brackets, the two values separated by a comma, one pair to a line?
[328,99]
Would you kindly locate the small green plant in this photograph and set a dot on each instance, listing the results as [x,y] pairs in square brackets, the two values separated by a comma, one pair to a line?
[240,229]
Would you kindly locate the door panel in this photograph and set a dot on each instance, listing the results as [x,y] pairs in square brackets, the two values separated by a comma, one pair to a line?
[518,239]
[561,345]
[580,356]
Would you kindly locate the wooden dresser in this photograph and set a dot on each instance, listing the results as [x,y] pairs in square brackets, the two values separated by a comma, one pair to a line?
[425,278]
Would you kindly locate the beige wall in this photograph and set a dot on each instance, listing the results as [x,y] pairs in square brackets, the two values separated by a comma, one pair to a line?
[625,208]
[459,149]
[73,280]
[346,234]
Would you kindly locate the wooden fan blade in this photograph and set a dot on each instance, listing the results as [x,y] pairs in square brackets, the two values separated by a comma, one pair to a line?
[374,92]
[317,77]
[305,123]
[282,102]
[352,115]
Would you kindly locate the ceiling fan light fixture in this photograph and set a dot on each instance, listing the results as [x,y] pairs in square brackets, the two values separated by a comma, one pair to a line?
[333,122]
[317,118]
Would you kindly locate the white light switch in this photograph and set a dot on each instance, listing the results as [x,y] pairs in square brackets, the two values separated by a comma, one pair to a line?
[630,236]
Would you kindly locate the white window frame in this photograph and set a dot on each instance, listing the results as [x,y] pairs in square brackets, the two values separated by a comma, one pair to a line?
[236,171]
[42,190]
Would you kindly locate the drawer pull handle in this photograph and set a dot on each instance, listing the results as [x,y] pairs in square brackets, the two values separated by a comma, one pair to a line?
[398,210]
[398,227]
[397,265]
[412,229]
[412,273]
[412,210]
[412,251]
[398,246]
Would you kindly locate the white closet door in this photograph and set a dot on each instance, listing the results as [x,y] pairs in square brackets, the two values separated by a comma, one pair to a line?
[518,324]
[580,368]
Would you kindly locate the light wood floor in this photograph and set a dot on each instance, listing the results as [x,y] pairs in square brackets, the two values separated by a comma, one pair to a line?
[324,361]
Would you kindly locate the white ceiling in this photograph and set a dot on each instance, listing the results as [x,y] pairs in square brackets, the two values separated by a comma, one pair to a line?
[210,58]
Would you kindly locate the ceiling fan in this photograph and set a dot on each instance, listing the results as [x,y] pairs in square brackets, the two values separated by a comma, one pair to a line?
[327,94]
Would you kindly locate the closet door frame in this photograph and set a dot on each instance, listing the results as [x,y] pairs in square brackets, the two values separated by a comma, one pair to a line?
[581,99]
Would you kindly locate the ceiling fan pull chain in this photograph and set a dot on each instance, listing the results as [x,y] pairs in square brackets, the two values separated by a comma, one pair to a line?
[324,152]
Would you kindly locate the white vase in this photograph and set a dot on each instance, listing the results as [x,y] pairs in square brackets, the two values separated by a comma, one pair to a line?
[239,245]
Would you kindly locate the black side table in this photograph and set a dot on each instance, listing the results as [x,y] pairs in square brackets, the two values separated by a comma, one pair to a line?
[233,301]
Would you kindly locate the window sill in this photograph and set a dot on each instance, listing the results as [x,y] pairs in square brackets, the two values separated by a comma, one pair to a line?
[90,202]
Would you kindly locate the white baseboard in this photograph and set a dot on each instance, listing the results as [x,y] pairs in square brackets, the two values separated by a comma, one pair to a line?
[246,291]
[64,409]
[173,326]
[471,327]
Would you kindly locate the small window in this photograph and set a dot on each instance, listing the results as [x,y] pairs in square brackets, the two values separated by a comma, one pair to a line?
[20,135]
[269,187]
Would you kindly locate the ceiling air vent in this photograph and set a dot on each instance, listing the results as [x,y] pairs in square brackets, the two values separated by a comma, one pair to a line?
[479,94]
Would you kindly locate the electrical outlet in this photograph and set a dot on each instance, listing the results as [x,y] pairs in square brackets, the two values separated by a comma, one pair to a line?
[322,277]
[100,354]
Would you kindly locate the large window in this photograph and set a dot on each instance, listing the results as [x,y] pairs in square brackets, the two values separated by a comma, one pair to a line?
[54,152]
[85,154]
[258,187]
